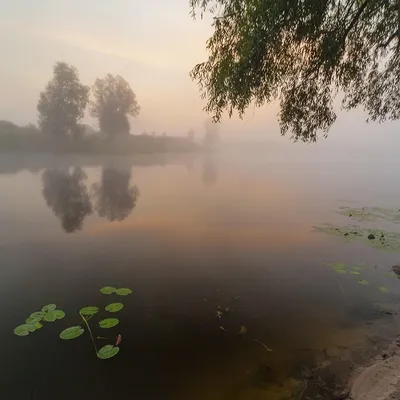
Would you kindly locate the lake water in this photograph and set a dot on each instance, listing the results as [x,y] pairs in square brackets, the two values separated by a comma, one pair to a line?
[194,237]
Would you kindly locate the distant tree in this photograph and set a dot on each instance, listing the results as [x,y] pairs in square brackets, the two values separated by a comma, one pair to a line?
[302,52]
[115,197]
[67,195]
[62,104]
[114,101]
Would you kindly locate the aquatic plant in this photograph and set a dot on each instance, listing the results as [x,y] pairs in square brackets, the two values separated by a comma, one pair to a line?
[342,268]
[371,213]
[86,313]
[383,289]
[376,238]
[48,313]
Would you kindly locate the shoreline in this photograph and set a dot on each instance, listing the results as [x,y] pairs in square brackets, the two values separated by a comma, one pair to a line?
[380,380]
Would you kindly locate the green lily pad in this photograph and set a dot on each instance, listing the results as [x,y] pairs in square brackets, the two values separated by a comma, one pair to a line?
[363,282]
[23,330]
[32,321]
[71,333]
[124,291]
[60,314]
[51,316]
[383,289]
[339,268]
[90,310]
[108,290]
[354,272]
[107,351]
[108,322]
[355,268]
[114,307]
[38,314]
[38,326]
[49,307]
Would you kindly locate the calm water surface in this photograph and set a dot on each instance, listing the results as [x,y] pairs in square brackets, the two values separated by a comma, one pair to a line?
[190,236]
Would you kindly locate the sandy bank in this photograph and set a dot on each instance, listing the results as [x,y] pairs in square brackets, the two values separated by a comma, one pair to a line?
[381,379]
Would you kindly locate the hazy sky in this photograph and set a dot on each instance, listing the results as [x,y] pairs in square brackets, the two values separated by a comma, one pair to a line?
[153,44]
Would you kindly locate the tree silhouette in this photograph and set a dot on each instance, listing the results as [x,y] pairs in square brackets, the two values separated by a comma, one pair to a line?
[63,102]
[115,198]
[302,52]
[113,101]
[67,195]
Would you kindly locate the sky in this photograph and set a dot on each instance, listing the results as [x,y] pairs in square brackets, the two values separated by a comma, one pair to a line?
[153,44]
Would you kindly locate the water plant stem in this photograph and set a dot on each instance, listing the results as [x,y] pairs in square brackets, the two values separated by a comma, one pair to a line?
[262,344]
[90,331]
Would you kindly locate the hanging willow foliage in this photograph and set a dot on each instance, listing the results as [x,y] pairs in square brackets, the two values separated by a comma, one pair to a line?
[302,52]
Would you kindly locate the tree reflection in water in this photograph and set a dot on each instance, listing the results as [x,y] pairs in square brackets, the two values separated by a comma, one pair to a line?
[67,195]
[210,171]
[115,197]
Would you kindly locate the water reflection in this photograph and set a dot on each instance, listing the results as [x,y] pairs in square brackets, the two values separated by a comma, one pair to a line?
[210,171]
[115,196]
[67,195]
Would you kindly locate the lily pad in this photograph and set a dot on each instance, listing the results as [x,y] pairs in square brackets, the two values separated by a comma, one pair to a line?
[51,316]
[383,289]
[71,333]
[354,272]
[32,320]
[108,322]
[38,326]
[89,310]
[60,314]
[38,314]
[339,268]
[363,282]
[376,238]
[114,307]
[107,351]
[49,307]
[340,271]
[108,290]
[124,291]
[24,330]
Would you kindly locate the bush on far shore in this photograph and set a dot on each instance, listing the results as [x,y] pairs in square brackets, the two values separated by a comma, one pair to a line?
[28,139]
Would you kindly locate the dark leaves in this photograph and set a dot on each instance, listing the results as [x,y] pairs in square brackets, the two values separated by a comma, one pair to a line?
[302,52]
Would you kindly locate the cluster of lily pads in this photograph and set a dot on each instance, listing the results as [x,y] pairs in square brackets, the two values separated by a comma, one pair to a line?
[371,213]
[342,268]
[376,238]
[49,313]
[35,321]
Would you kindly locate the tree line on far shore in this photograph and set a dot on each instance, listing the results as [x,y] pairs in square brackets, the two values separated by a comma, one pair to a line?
[64,100]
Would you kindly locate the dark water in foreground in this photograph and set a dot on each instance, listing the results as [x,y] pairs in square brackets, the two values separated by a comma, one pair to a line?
[187,235]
